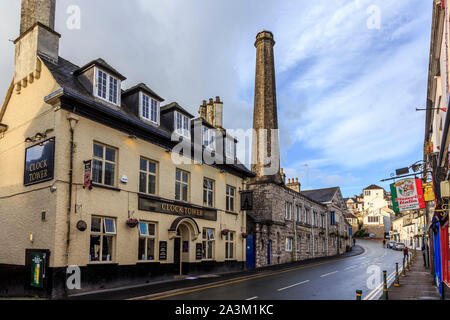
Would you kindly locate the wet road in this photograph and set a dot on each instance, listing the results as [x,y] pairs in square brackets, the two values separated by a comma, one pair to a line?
[328,280]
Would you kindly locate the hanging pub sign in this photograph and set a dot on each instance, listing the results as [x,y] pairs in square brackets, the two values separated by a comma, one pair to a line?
[247,200]
[39,162]
[407,195]
[428,192]
[87,174]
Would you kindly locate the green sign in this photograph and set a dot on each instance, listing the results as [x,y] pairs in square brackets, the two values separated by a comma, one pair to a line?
[38,269]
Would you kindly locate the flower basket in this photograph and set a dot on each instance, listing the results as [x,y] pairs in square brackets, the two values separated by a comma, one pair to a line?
[244,235]
[224,232]
[132,222]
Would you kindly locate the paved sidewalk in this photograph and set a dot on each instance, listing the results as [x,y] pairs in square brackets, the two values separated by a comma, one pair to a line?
[418,285]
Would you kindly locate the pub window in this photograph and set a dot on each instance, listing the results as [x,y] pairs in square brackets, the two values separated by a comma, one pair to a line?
[147,241]
[229,245]
[208,243]
[230,197]
[208,193]
[147,176]
[104,165]
[181,185]
[103,235]
[289,244]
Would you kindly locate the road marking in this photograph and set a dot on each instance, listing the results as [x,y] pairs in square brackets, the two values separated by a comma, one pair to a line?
[254,298]
[294,285]
[328,274]
[377,290]
[156,296]
[351,267]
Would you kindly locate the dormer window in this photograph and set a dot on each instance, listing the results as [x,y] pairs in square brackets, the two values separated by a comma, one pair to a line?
[182,125]
[107,87]
[149,109]
[209,138]
[229,148]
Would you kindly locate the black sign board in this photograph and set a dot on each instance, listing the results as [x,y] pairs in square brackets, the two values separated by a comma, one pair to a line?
[39,163]
[198,251]
[163,250]
[180,209]
[246,200]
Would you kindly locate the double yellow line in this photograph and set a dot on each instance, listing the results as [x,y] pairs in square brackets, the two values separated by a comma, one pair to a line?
[379,288]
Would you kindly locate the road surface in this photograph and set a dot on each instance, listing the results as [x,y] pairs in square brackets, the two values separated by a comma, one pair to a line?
[328,280]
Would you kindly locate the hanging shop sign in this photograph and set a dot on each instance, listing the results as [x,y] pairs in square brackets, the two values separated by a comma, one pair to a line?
[407,195]
[39,162]
[87,174]
[147,203]
[246,200]
[428,191]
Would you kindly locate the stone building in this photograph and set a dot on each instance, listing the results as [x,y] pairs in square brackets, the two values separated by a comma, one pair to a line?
[286,224]
[93,176]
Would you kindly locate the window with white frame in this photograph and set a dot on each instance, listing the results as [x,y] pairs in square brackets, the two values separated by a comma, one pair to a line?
[149,109]
[107,87]
[209,138]
[288,215]
[104,164]
[230,198]
[147,241]
[230,152]
[182,125]
[229,245]
[181,185]
[289,244]
[208,243]
[208,192]
[147,176]
[102,239]
[367,193]
[372,219]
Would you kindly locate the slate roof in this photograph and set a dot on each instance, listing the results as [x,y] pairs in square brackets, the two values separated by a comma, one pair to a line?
[143,87]
[65,75]
[321,195]
[373,187]
[176,106]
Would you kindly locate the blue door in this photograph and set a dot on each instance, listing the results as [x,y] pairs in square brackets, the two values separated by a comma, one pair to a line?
[437,257]
[269,251]
[250,252]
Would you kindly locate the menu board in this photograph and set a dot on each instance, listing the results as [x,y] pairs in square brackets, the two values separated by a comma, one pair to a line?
[163,250]
[198,251]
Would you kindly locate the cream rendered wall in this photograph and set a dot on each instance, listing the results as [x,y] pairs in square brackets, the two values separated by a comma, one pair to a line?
[119,204]
[376,198]
[20,214]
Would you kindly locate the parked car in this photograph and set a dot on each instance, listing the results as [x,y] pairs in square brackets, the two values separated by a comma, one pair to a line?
[399,246]
[372,235]
[391,244]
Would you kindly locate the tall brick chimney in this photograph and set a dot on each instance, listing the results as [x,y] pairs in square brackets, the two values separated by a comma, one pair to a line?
[265,144]
[37,36]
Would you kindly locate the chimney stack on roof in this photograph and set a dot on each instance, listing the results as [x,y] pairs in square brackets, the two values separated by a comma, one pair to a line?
[212,112]
[294,184]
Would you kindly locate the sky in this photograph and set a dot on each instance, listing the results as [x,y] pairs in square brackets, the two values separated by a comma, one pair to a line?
[350,73]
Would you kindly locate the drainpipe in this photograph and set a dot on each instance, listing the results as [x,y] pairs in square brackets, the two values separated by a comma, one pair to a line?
[73,122]
[294,223]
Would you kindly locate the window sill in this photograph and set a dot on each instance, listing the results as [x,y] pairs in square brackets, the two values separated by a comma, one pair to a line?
[147,262]
[232,212]
[101,186]
[99,263]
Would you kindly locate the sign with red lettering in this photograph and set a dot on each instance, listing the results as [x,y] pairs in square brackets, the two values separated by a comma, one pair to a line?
[407,195]
[87,174]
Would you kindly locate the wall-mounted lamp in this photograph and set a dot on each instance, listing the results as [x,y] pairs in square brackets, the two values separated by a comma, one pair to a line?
[222,171]
[28,140]
[31,238]
[132,136]
[39,136]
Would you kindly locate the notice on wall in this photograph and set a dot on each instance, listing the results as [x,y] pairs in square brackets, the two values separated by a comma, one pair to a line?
[407,195]
[198,251]
[163,250]
[39,163]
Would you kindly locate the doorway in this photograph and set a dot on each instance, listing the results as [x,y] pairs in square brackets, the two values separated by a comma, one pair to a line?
[181,250]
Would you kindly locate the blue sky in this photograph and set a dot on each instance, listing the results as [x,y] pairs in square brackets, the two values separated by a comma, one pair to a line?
[347,93]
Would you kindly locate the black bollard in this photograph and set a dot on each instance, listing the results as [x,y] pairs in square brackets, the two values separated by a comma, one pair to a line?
[358,294]
[385,289]
[397,278]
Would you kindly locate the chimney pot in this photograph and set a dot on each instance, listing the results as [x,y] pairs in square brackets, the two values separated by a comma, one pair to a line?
[211,101]
[296,180]
[217,99]
[204,102]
